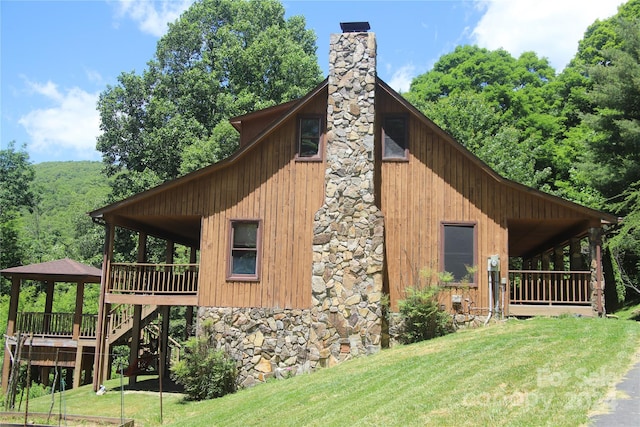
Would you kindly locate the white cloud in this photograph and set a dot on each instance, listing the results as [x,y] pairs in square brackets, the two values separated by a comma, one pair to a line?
[72,123]
[153,16]
[551,28]
[401,78]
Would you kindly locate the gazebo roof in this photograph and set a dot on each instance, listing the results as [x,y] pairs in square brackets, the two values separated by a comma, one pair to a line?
[62,270]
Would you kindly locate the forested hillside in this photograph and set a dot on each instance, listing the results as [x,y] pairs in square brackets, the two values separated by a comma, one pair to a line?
[58,226]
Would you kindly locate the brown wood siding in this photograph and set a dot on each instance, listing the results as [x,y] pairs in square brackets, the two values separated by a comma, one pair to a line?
[268,184]
[440,183]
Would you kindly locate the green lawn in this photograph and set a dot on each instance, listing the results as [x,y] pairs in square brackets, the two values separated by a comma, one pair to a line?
[518,373]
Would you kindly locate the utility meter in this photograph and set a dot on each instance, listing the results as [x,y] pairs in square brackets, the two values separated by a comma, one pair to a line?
[493,263]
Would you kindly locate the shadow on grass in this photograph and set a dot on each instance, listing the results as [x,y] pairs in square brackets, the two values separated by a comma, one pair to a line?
[153,384]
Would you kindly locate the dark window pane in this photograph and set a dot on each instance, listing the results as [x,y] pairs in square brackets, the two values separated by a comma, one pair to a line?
[309,141]
[458,250]
[244,262]
[245,234]
[395,137]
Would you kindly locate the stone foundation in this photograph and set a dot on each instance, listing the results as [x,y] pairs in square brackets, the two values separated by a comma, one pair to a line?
[268,343]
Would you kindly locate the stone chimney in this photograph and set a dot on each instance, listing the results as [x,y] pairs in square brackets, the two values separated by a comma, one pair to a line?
[348,241]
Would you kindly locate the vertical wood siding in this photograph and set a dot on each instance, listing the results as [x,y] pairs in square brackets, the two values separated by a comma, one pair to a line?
[440,184]
[268,184]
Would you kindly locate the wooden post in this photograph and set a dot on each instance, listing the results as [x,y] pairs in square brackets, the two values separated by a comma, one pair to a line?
[135,340]
[575,255]
[48,304]
[77,314]
[11,325]
[189,315]
[164,338]
[597,281]
[101,329]
[134,350]
[77,369]
[48,308]
[166,310]
[558,258]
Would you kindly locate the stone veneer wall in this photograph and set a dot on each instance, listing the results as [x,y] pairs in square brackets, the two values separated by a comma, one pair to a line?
[345,319]
[348,242]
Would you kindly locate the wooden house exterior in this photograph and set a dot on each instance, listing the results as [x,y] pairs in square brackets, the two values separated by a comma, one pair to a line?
[333,201]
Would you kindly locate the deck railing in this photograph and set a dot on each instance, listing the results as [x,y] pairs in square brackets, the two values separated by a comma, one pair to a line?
[550,287]
[55,324]
[154,279]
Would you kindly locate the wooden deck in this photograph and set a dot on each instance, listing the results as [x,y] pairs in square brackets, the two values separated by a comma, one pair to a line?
[153,284]
[549,293]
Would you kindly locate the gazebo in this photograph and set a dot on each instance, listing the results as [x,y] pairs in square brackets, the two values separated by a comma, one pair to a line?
[64,340]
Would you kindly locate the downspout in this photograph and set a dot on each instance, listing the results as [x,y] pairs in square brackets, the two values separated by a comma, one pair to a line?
[490,298]
[493,269]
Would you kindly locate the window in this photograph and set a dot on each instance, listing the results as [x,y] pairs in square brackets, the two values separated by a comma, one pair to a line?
[459,251]
[394,137]
[310,138]
[244,259]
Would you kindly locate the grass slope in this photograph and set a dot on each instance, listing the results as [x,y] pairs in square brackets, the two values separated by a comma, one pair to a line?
[535,372]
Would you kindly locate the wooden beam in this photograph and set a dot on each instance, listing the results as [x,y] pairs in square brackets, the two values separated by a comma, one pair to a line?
[577,231]
[103,307]
[530,310]
[152,299]
[139,226]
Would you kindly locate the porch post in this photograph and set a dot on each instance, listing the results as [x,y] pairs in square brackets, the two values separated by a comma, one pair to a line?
[597,280]
[166,310]
[11,325]
[77,315]
[546,283]
[545,261]
[134,351]
[535,262]
[189,314]
[558,258]
[101,329]
[575,255]
[48,304]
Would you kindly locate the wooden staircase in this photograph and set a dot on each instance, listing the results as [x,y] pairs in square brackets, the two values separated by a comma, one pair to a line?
[121,321]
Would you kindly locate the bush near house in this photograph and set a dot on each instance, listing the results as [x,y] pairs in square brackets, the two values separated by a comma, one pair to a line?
[205,372]
[421,315]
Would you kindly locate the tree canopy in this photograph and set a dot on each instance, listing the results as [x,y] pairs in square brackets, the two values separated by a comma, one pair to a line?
[500,107]
[16,176]
[221,58]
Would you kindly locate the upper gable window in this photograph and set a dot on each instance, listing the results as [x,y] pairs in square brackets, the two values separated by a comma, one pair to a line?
[395,140]
[310,137]
[244,250]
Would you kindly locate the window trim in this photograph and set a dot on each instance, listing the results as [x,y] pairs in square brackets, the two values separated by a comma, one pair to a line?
[319,156]
[405,157]
[474,224]
[244,277]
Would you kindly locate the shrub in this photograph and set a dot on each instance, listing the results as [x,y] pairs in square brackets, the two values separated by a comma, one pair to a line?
[203,371]
[421,315]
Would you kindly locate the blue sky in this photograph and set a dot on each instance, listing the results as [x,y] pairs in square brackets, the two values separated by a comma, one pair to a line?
[57,56]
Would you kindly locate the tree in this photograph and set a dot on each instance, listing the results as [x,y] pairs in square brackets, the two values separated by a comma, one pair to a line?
[500,107]
[16,176]
[613,156]
[221,58]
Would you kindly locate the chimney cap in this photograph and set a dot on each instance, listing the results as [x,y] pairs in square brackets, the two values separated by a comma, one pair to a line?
[355,27]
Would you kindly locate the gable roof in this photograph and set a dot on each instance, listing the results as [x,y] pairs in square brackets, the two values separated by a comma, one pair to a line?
[294,107]
[291,108]
[605,217]
[61,270]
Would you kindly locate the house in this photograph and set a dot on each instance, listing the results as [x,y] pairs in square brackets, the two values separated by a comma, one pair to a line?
[331,204]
